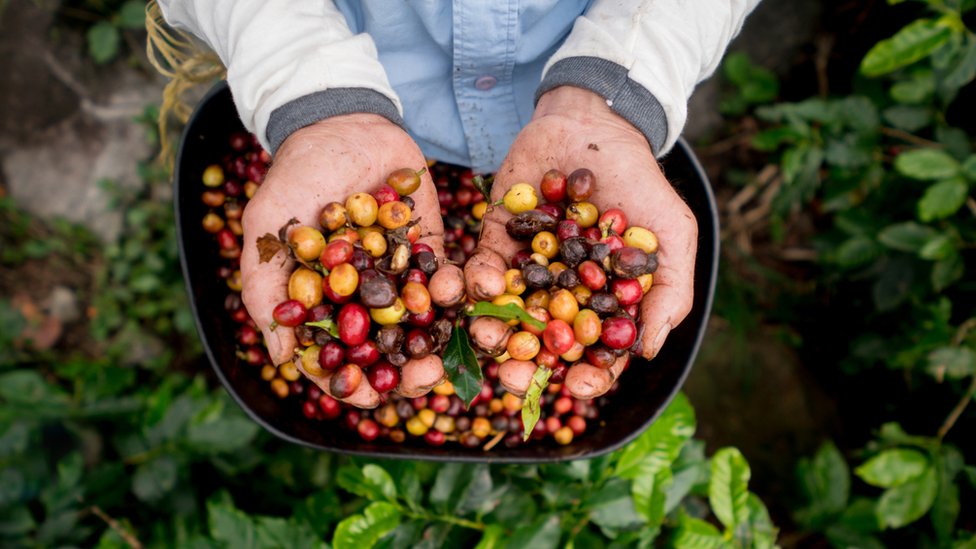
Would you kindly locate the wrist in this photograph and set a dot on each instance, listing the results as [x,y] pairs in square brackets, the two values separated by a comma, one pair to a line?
[586,107]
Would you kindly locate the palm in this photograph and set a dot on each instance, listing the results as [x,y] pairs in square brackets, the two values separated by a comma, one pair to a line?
[319,164]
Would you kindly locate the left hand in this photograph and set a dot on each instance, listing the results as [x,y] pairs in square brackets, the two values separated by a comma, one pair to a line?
[574,128]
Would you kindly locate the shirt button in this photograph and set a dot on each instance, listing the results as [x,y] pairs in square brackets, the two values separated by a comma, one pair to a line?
[485,83]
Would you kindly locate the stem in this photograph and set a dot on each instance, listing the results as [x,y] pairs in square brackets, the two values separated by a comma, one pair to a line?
[905,136]
[114,525]
[958,410]
[457,521]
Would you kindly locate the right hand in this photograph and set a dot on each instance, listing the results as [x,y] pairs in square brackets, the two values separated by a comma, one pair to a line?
[322,163]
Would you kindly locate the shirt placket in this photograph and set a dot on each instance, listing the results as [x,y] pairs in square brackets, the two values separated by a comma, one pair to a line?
[485,35]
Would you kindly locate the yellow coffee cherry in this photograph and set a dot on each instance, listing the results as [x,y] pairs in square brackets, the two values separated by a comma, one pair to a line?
[587,327]
[479,209]
[511,402]
[545,243]
[305,286]
[310,360]
[427,416]
[446,388]
[523,346]
[388,316]
[289,372]
[374,243]
[639,237]
[521,197]
[362,209]
[538,298]
[584,213]
[574,353]
[307,242]
[514,283]
[646,281]
[505,299]
[416,427]
[213,176]
[563,305]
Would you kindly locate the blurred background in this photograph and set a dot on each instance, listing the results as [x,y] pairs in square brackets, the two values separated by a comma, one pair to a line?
[840,359]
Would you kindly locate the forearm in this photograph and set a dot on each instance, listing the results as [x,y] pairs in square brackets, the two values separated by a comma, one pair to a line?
[646,57]
[289,62]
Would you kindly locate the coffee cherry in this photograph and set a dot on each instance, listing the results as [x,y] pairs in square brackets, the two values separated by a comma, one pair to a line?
[536,276]
[553,186]
[385,194]
[363,354]
[331,355]
[434,438]
[212,223]
[336,253]
[353,321]
[580,185]
[393,215]
[376,291]
[627,291]
[545,243]
[587,327]
[345,381]
[618,332]
[310,360]
[305,286]
[592,275]
[333,216]
[404,181]
[390,339]
[418,344]
[306,242]
[603,303]
[523,346]
[415,297]
[564,435]
[361,208]
[387,316]
[368,430]
[558,336]
[641,238]
[374,244]
[289,313]
[629,262]
[613,221]
[600,356]
[344,279]
[383,377]
[521,197]
[563,306]
[584,213]
[213,176]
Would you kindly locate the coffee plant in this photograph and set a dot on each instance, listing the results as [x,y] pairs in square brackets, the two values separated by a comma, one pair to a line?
[888,171]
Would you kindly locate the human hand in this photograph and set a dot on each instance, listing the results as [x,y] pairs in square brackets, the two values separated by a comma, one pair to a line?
[574,128]
[322,163]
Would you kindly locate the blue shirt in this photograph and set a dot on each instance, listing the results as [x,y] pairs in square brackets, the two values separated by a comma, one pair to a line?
[466,72]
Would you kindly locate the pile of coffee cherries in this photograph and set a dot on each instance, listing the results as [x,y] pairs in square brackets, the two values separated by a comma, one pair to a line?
[357,341]
[583,276]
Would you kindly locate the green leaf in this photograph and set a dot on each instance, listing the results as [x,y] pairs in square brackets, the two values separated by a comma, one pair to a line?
[908,236]
[969,167]
[154,479]
[543,533]
[230,526]
[826,482]
[728,489]
[371,482]
[493,537]
[278,532]
[908,502]
[612,508]
[945,508]
[855,251]
[460,488]
[760,532]
[650,495]
[462,367]
[695,533]
[326,324]
[909,118]
[965,69]
[915,41]
[226,434]
[103,42]
[506,312]
[947,271]
[770,140]
[893,467]
[29,387]
[532,407]
[953,362]
[943,199]
[132,15]
[660,445]
[756,84]
[16,521]
[362,531]
[914,91]
[926,164]
[939,247]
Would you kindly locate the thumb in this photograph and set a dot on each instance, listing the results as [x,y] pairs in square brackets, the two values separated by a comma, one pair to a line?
[672,293]
[484,272]
[265,285]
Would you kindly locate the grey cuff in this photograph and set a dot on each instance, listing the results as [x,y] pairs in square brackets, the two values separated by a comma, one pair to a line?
[625,97]
[311,108]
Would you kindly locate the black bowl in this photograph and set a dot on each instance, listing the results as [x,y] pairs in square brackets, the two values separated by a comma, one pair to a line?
[646,389]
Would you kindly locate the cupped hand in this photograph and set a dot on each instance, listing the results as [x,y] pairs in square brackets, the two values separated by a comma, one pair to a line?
[322,163]
[574,128]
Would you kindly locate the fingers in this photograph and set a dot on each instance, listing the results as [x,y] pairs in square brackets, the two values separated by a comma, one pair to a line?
[419,376]
[516,375]
[585,381]
[428,210]
[363,397]
[265,285]
[672,292]
[484,275]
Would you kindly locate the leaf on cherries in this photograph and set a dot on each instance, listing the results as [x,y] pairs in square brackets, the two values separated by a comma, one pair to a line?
[269,245]
[532,405]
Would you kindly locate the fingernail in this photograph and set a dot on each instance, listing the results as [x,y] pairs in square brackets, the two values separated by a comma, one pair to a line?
[662,335]
[274,346]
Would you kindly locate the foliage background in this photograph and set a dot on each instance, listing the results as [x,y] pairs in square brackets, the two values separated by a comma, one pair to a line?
[849,231]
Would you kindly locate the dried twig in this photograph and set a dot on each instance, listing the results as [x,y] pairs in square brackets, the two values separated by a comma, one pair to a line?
[126,535]
[910,138]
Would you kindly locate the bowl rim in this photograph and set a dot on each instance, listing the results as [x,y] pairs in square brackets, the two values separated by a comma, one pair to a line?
[712,212]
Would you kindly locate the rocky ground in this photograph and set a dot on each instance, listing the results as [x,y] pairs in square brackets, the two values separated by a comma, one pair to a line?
[67,125]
